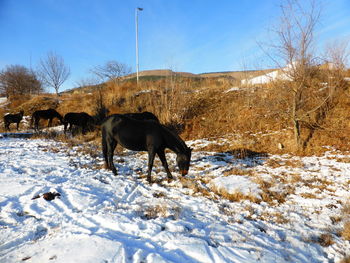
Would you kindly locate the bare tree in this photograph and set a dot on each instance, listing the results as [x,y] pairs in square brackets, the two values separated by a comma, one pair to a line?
[17,79]
[53,71]
[305,76]
[111,71]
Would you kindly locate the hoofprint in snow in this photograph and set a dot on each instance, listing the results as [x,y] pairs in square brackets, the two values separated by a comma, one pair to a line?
[100,217]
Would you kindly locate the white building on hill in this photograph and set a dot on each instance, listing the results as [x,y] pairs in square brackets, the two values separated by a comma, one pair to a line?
[280,74]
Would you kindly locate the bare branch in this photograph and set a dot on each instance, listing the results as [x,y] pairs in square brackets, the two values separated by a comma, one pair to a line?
[53,71]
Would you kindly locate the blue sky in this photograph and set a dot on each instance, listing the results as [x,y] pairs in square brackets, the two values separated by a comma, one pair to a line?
[184,35]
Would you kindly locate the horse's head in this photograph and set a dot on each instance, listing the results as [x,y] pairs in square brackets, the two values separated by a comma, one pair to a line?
[183,161]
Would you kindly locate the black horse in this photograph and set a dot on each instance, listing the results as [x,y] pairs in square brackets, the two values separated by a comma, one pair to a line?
[48,114]
[81,119]
[143,135]
[13,118]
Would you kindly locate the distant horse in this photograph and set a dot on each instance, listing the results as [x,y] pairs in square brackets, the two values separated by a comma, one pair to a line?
[13,118]
[146,115]
[147,135]
[48,114]
[81,119]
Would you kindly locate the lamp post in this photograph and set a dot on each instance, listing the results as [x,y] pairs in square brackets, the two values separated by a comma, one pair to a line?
[137,42]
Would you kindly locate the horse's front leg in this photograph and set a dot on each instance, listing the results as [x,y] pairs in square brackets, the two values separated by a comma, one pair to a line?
[36,124]
[65,125]
[161,155]
[151,155]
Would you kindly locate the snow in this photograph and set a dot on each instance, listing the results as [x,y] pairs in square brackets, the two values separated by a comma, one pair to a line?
[100,217]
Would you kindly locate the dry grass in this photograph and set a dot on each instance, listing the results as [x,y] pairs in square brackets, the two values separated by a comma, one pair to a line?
[198,187]
[308,195]
[325,240]
[233,197]
[345,233]
[160,210]
[239,171]
[276,163]
[276,217]
[345,260]
[202,108]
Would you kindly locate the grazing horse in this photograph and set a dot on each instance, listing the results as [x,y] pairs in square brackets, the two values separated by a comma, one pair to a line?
[48,114]
[143,135]
[81,119]
[13,118]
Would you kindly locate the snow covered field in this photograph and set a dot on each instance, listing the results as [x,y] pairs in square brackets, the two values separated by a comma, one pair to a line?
[287,209]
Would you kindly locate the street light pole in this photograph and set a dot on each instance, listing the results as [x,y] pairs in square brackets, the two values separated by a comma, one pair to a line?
[137,43]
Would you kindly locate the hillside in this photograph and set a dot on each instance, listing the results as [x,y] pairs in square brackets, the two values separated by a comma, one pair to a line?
[157,74]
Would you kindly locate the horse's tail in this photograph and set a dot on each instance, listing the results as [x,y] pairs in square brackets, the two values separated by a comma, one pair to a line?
[104,145]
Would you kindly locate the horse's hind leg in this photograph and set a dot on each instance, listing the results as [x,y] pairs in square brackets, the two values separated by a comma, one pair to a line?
[36,124]
[108,146]
[151,155]
[111,144]
[162,158]
[105,148]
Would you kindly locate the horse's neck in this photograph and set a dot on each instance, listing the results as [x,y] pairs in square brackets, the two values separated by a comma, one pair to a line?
[173,141]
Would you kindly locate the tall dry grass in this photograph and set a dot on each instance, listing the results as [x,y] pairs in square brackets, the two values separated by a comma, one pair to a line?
[203,107]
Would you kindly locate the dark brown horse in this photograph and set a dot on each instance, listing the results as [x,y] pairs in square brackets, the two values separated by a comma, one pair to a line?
[13,118]
[80,119]
[48,114]
[143,135]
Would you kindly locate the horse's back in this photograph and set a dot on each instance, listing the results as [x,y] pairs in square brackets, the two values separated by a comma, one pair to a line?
[13,117]
[78,118]
[146,115]
[46,113]
[132,134]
